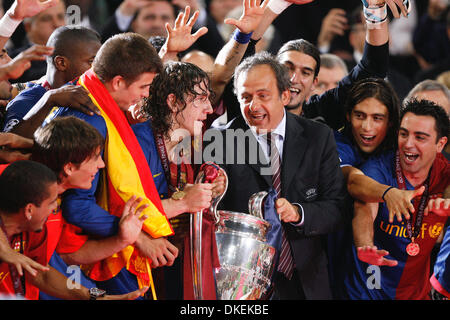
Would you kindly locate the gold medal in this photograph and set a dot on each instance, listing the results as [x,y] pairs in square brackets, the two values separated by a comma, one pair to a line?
[178,195]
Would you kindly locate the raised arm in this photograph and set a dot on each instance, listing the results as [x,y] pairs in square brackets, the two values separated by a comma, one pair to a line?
[179,37]
[18,11]
[229,57]
[366,189]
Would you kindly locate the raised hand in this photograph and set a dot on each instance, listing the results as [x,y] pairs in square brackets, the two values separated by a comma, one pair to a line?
[130,224]
[251,16]
[22,9]
[399,203]
[335,23]
[179,38]
[392,4]
[373,256]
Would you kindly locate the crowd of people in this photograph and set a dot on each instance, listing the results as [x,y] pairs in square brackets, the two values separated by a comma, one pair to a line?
[106,105]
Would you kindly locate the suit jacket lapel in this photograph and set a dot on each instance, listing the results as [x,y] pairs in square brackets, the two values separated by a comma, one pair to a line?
[293,151]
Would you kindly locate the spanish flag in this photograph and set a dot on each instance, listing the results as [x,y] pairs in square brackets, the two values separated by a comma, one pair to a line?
[126,174]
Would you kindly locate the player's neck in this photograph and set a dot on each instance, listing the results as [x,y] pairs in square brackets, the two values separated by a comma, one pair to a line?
[417,178]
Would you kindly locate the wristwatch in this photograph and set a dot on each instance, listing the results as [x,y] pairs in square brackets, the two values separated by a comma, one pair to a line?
[96,293]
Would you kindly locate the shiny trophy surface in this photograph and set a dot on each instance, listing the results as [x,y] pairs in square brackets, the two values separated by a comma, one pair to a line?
[246,260]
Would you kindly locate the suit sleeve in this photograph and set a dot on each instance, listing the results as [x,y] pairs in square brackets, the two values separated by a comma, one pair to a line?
[330,105]
[326,213]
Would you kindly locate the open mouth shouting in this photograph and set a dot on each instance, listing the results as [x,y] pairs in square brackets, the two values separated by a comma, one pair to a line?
[410,157]
[295,92]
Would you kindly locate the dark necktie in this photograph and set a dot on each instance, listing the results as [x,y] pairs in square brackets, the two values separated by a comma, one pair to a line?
[286,261]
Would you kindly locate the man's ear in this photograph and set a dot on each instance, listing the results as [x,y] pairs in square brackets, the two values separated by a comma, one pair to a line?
[286,97]
[171,101]
[441,144]
[28,211]
[118,83]
[61,63]
[68,169]
[314,84]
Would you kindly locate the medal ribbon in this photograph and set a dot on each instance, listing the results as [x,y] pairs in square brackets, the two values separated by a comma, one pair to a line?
[412,233]
[161,147]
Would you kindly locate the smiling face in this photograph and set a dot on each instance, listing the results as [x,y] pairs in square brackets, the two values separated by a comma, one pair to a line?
[301,73]
[369,121]
[81,176]
[418,144]
[262,105]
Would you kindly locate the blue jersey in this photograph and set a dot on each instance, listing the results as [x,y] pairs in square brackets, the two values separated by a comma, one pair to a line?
[409,279]
[348,152]
[20,105]
[80,208]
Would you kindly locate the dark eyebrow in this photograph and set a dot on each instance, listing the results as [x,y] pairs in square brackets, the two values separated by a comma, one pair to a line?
[416,132]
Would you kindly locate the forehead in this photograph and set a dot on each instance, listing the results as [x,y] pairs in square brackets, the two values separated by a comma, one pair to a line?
[298,59]
[415,123]
[371,106]
[86,49]
[257,78]
[144,79]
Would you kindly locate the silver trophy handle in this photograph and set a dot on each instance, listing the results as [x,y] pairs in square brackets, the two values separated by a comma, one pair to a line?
[196,235]
[255,204]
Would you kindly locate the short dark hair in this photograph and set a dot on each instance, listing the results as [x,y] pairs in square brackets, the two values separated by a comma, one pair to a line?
[65,38]
[179,79]
[64,140]
[429,108]
[264,58]
[24,182]
[382,91]
[128,55]
[303,46]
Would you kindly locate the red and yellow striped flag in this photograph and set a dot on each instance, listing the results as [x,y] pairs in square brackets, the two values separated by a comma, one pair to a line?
[127,174]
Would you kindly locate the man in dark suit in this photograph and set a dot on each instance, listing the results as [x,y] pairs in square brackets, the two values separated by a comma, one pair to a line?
[306,176]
